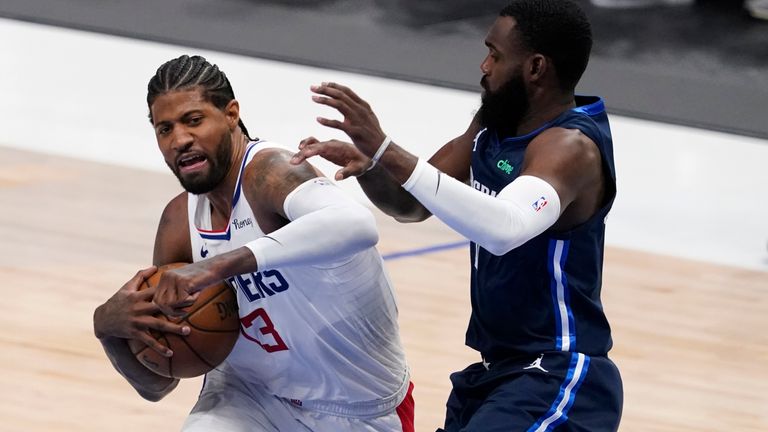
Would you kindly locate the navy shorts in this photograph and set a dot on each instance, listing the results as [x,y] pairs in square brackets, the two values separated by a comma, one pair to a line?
[557,391]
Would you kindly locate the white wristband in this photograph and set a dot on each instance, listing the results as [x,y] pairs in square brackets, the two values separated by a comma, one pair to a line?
[382,148]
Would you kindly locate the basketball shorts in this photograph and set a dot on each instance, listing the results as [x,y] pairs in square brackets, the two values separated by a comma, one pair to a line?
[227,404]
[557,391]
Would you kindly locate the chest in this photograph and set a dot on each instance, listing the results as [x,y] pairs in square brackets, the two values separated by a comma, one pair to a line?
[495,165]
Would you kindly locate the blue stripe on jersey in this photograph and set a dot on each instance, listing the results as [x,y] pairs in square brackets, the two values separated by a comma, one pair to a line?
[236,197]
[564,323]
[558,411]
[226,235]
[219,236]
[592,109]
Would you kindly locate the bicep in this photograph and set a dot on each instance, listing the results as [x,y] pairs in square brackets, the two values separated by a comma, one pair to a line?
[566,159]
[172,242]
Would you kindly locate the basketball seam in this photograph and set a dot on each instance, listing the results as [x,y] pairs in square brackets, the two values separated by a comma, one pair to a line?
[207,302]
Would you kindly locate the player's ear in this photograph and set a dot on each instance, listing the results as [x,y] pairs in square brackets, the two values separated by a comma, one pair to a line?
[232,112]
[537,66]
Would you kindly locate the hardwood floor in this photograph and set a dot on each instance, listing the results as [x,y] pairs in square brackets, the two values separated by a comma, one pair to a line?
[689,336]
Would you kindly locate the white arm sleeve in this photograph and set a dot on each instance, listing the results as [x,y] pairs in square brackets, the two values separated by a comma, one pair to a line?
[326,226]
[522,210]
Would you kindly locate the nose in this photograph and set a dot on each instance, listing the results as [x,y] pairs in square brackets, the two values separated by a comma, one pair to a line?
[485,65]
[182,139]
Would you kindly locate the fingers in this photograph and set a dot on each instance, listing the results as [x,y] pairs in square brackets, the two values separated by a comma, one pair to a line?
[175,309]
[142,275]
[342,174]
[308,141]
[335,124]
[339,97]
[146,273]
[154,344]
[338,91]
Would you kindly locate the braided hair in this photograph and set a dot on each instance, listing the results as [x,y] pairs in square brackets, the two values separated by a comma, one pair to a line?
[188,72]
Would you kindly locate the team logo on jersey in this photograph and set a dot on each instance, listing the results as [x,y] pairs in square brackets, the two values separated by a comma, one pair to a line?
[203,251]
[539,204]
[505,166]
[536,364]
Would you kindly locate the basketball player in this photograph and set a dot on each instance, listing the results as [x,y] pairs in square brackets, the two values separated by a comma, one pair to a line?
[319,348]
[539,164]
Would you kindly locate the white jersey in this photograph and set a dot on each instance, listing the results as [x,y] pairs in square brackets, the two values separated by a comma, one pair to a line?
[323,336]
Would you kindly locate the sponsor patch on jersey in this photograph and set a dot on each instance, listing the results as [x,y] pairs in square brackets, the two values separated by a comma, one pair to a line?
[505,166]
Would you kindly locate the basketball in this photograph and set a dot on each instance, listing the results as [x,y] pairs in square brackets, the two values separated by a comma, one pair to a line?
[214,327]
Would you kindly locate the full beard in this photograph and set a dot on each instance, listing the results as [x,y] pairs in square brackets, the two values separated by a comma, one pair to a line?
[503,109]
[198,184]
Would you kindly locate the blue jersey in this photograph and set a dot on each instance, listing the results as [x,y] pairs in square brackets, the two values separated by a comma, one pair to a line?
[545,294]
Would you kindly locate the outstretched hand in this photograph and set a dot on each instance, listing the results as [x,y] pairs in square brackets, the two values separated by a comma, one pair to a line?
[360,122]
[346,155]
[130,314]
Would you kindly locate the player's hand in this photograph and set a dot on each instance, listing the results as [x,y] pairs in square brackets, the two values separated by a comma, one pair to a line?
[180,287]
[130,314]
[344,154]
[360,123]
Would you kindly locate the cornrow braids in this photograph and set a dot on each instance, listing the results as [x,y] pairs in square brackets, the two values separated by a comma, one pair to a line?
[188,72]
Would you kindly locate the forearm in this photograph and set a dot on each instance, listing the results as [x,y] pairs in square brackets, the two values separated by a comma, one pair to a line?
[383,187]
[390,197]
[148,384]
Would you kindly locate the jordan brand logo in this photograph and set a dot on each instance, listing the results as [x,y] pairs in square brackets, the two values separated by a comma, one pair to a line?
[203,251]
[537,364]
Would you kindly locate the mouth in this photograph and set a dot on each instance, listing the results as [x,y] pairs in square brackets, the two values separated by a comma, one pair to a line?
[191,162]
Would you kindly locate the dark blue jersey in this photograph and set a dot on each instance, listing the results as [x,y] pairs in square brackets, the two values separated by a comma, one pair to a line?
[545,294]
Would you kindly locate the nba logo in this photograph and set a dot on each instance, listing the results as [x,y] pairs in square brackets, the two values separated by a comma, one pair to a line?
[539,204]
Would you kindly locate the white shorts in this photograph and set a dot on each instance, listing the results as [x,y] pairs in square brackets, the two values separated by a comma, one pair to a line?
[227,405]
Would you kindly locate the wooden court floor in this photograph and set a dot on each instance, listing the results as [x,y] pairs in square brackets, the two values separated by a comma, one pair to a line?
[690,338]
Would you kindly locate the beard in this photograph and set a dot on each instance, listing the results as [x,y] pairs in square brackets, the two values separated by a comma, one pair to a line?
[198,183]
[503,109]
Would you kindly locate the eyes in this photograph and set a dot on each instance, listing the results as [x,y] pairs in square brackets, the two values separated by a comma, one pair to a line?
[166,128]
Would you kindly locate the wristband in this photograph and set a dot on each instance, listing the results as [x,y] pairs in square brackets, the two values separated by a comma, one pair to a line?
[382,148]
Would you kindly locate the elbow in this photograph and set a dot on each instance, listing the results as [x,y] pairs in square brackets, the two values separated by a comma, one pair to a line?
[497,249]
[151,396]
[361,228]
[500,247]
[154,394]
[416,214]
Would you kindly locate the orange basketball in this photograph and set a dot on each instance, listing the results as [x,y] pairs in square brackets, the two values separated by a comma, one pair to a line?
[214,324]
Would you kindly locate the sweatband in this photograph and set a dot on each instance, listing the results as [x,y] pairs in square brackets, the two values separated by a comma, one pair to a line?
[382,148]
[523,209]
[326,226]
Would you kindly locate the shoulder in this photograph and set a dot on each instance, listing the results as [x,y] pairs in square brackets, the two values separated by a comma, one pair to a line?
[567,145]
[270,176]
[172,242]
[176,208]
